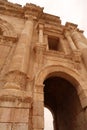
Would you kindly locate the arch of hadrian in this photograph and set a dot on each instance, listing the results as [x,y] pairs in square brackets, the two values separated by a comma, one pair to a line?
[42,64]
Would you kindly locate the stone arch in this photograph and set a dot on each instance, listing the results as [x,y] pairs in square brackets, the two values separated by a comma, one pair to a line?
[64,72]
[7,29]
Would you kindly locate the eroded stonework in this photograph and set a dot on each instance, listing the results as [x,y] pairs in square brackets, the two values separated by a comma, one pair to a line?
[42,64]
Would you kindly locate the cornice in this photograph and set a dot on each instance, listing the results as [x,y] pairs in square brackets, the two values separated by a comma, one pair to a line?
[51,18]
[16,10]
[8,8]
[71,27]
[33,10]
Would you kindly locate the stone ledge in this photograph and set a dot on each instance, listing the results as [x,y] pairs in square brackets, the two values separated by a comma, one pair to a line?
[14,94]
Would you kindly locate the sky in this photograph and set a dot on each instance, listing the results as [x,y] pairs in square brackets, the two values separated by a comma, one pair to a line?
[69,11]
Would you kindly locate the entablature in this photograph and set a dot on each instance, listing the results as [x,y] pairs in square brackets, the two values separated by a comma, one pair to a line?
[51,22]
[8,8]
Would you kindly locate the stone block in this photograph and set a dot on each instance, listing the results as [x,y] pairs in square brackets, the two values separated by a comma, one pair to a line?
[21,115]
[5,114]
[39,89]
[38,108]
[6,104]
[20,126]
[5,126]
[38,122]
[14,115]
[38,129]
[38,97]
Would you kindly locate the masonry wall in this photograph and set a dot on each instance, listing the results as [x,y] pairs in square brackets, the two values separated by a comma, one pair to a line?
[26,61]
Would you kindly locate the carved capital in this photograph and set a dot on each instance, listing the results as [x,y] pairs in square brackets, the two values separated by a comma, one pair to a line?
[33,10]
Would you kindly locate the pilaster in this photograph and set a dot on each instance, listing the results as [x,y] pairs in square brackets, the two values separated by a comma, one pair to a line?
[38,108]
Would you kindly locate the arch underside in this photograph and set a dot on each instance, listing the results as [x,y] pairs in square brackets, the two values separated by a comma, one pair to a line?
[69,74]
[61,96]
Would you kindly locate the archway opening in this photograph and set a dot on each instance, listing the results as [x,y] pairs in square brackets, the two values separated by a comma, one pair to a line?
[48,122]
[61,97]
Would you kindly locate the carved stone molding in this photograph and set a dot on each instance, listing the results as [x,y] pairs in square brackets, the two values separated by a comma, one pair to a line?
[14,95]
[33,10]
[7,29]
[16,80]
[38,47]
[11,9]
[4,40]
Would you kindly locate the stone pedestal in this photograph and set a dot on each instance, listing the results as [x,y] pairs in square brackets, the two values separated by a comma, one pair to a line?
[15,108]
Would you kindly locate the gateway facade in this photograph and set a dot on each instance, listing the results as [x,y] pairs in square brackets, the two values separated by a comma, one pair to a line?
[42,64]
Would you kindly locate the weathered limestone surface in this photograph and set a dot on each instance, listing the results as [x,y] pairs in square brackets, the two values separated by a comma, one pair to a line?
[42,64]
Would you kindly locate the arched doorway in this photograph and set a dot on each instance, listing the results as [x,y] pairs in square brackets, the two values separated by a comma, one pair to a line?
[61,97]
[69,109]
[48,122]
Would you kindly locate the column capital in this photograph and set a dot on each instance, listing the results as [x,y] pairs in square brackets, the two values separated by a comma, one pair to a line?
[30,17]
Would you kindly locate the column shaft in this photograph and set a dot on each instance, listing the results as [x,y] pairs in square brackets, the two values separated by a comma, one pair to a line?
[77,39]
[21,56]
[41,33]
[46,41]
[64,46]
[71,43]
[17,75]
